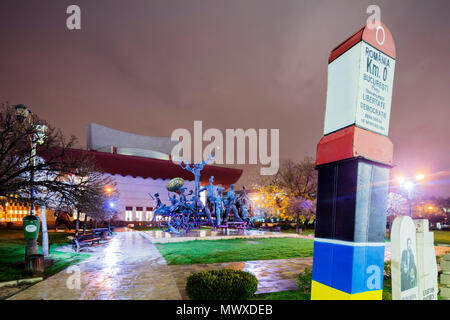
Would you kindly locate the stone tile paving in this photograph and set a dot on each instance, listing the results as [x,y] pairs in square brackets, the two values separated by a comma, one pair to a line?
[272,275]
[128,267]
[156,236]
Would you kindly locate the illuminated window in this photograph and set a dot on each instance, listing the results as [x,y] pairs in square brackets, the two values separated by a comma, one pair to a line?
[128,213]
[139,213]
[149,213]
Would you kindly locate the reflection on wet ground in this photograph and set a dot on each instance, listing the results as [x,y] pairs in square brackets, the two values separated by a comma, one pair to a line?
[157,236]
[127,267]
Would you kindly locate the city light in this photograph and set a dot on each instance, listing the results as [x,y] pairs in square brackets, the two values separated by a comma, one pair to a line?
[108,189]
[408,185]
[112,204]
[420,177]
[401,180]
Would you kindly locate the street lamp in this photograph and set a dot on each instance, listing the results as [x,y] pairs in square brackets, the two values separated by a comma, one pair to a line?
[111,205]
[420,177]
[401,180]
[24,114]
[409,185]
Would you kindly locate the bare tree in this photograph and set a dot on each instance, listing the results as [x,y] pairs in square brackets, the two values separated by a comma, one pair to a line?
[298,179]
[55,175]
[397,205]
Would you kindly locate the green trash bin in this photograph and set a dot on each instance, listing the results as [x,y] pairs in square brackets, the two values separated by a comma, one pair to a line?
[31,227]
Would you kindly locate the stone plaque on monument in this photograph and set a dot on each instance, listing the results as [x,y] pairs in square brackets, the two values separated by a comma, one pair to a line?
[360,82]
[426,261]
[404,260]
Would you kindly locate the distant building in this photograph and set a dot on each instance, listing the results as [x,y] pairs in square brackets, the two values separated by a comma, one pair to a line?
[13,210]
[141,165]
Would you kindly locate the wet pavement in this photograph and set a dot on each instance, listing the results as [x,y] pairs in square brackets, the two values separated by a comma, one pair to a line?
[156,236]
[127,267]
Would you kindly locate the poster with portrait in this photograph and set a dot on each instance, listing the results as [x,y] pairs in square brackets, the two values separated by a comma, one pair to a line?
[404,260]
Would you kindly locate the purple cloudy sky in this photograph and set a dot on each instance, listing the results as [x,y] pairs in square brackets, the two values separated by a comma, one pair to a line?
[149,67]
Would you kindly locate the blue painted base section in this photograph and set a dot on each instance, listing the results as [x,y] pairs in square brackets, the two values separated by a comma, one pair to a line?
[348,268]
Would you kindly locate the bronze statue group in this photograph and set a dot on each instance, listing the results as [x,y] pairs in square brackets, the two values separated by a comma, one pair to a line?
[187,211]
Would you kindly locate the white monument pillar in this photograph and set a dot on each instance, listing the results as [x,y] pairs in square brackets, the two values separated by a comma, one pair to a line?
[404,260]
[426,261]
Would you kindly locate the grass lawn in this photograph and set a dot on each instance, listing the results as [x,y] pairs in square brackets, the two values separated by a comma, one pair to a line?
[12,251]
[214,251]
[283,295]
[442,237]
[145,228]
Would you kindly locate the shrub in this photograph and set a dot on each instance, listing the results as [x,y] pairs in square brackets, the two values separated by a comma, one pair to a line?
[304,280]
[285,226]
[225,284]
[257,224]
[387,270]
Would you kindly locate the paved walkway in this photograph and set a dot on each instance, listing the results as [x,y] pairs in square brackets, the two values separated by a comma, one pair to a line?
[156,236]
[128,267]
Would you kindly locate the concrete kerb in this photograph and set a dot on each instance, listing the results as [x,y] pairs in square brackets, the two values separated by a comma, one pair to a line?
[15,283]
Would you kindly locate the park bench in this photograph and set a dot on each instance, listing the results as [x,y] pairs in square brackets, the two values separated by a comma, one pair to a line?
[267,228]
[235,225]
[102,233]
[84,240]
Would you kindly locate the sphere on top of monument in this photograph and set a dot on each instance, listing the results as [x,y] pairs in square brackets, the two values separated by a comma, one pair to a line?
[175,184]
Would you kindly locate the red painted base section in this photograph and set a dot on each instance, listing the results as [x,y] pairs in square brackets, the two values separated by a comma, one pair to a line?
[353,142]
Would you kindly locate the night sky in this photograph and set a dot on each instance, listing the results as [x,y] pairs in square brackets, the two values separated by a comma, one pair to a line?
[149,67]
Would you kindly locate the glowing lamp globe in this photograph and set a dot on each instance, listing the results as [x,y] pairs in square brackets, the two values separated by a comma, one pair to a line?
[408,185]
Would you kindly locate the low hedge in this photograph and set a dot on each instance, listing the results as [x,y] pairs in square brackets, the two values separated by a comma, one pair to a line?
[304,280]
[225,284]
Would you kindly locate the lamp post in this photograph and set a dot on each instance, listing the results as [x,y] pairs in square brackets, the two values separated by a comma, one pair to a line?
[110,205]
[31,223]
[409,185]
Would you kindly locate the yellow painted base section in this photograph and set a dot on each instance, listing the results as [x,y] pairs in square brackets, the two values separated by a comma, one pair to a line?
[322,292]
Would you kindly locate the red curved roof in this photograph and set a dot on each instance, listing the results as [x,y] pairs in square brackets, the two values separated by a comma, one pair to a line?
[125,165]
